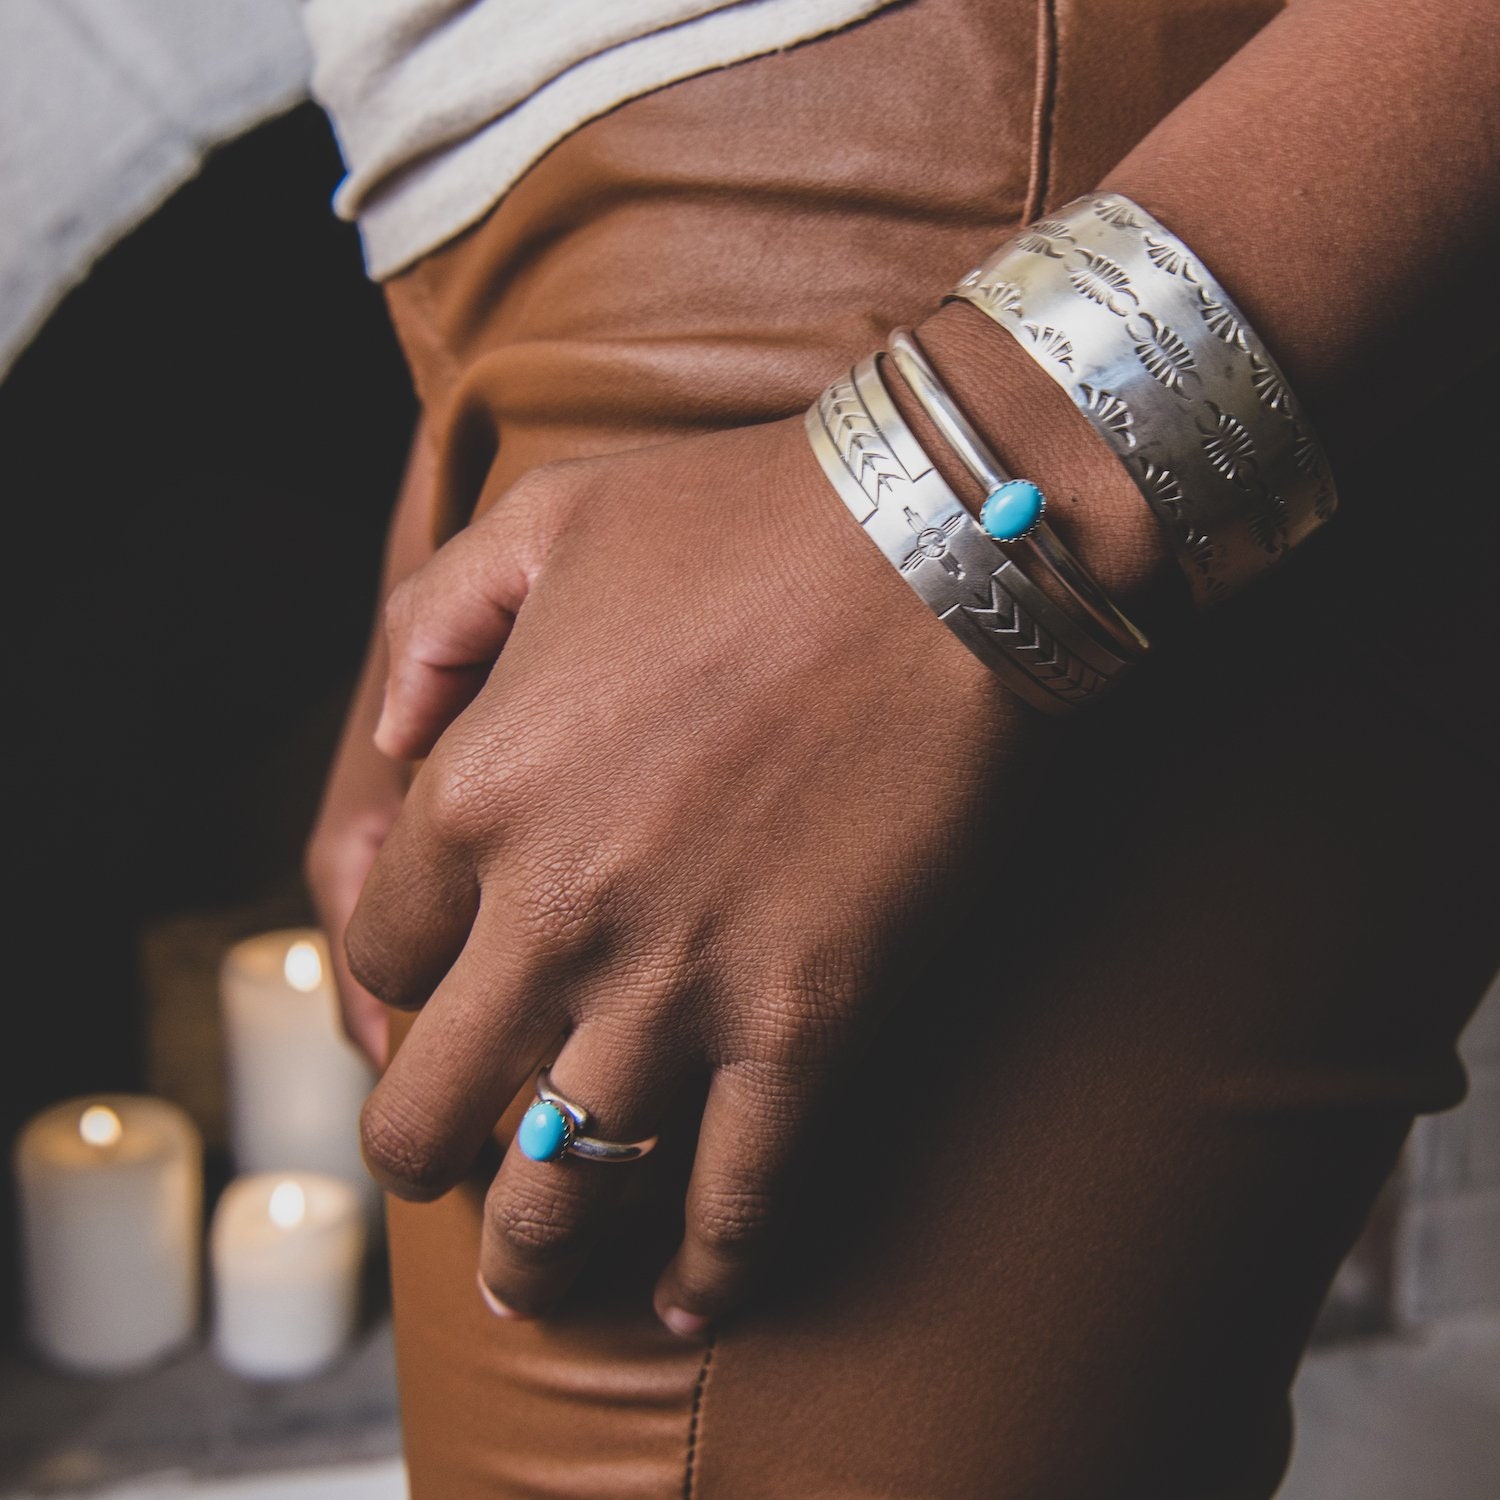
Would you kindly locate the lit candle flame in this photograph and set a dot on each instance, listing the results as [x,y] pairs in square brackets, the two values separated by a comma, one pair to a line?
[303,966]
[288,1206]
[99,1125]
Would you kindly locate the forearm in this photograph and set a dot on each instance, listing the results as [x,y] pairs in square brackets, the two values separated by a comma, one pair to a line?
[1341,177]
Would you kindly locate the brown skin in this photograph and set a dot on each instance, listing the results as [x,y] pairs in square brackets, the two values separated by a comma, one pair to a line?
[721,772]
[706,904]
[727,952]
[723,949]
[365,789]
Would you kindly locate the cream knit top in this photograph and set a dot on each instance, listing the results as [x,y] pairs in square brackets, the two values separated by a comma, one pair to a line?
[440,105]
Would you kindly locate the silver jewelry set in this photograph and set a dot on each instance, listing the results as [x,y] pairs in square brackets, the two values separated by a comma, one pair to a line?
[1170,374]
[1167,370]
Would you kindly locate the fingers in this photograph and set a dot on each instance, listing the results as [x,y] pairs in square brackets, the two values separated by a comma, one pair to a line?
[752,1125]
[365,1019]
[336,867]
[445,624]
[471,1051]
[541,1218]
[419,900]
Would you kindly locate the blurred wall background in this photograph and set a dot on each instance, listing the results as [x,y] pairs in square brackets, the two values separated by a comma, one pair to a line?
[199,447]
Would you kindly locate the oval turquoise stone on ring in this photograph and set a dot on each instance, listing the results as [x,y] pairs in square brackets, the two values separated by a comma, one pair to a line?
[544,1132]
[1011,509]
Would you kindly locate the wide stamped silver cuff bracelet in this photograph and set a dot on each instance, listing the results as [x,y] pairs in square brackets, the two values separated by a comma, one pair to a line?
[1156,355]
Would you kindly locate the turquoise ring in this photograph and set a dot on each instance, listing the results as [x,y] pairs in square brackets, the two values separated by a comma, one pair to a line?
[555,1127]
[1012,509]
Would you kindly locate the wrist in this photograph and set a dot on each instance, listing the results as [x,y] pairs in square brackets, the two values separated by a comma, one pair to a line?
[1041,436]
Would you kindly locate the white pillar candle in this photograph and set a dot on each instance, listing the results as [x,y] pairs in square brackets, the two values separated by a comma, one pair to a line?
[111,1193]
[296,1083]
[286,1249]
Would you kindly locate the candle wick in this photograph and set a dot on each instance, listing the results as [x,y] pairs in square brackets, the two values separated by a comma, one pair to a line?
[100,1126]
[288,1205]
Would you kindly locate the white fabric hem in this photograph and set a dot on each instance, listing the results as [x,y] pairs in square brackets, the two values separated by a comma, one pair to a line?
[435,200]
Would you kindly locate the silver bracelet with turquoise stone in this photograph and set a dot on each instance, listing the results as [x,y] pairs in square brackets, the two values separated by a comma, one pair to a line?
[1154,352]
[1014,510]
[904,505]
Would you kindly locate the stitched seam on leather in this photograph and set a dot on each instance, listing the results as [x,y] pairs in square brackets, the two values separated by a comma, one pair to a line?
[1042,115]
[689,1473]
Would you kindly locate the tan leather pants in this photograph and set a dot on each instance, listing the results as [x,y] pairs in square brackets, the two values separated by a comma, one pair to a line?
[1072,1249]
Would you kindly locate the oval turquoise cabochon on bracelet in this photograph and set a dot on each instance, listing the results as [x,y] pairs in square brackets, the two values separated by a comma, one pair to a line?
[1011,509]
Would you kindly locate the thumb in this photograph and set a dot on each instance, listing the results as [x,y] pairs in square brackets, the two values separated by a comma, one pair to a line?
[446,623]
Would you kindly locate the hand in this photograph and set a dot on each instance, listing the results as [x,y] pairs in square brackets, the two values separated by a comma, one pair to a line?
[726,764]
[361,799]
[365,789]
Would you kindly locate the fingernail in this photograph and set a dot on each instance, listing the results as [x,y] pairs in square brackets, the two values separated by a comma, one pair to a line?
[384,736]
[492,1302]
[684,1324]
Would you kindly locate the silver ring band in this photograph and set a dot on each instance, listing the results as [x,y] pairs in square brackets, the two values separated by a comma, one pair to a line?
[576,1141]
[1041,543]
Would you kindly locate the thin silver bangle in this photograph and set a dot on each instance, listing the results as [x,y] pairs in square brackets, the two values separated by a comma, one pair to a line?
[1155,354]
[1050,617]
[1041,543]
[905,506]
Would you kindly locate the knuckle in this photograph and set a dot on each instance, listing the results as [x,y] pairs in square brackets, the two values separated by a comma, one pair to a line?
[535,508]
[375,966]
[806,1016]
[544,484]
[472,786]
[401,608]
[534,485]
[451,800]
[732,1217]
[535,1230]
[367,963]
[572,901]
[402,1157]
